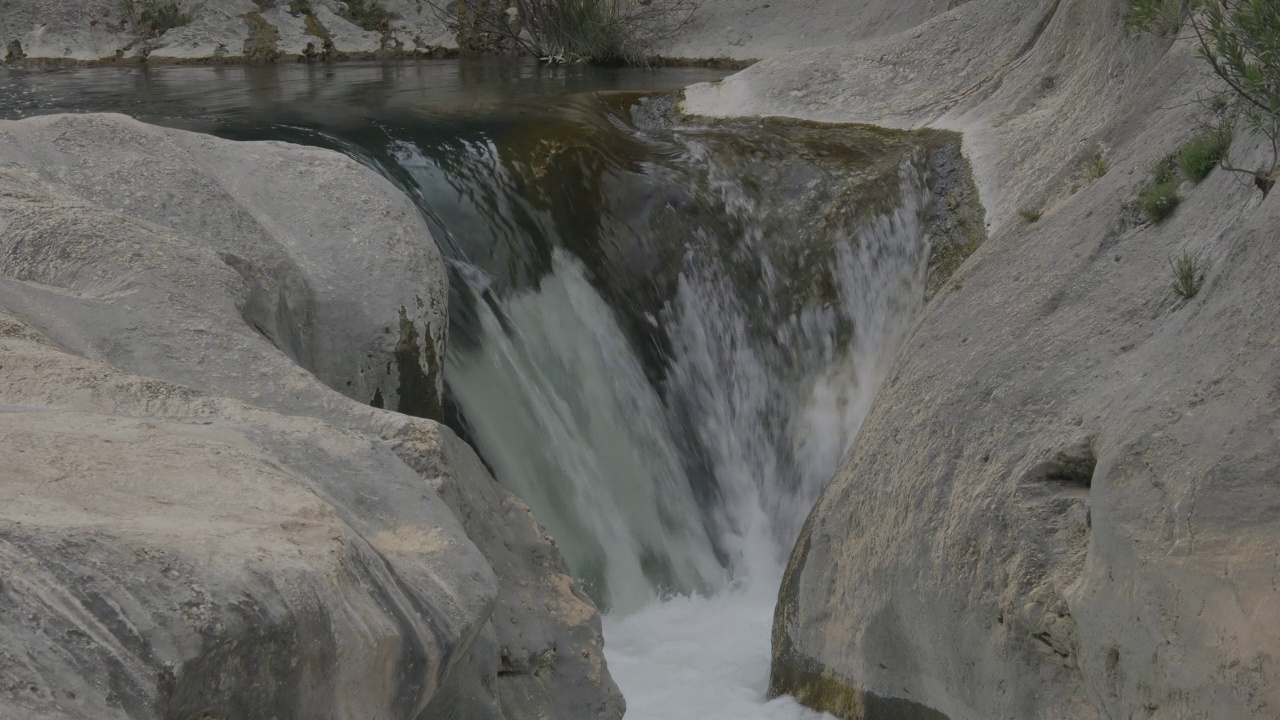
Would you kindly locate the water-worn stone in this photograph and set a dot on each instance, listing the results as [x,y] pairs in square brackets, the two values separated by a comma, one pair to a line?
[236,535]
[333,283]
[167,554]
[1062,504]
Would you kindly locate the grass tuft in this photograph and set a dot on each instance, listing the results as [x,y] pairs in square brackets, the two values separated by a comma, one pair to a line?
[1201,155]
[1187,275]
[1096,166]
[1031,214]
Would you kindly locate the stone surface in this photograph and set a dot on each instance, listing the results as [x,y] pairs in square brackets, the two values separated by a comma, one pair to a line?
[166,554]
[1062,503]
[207,228]
[241,31]
[159,513]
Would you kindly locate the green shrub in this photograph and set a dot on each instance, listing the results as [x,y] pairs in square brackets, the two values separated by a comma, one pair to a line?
[1154,16]
[1240,42]
[368,15]
[1031,214]
[152,18]
[1187,275]
[1201,155]
[565,31]
[1096,167]
[1159,200]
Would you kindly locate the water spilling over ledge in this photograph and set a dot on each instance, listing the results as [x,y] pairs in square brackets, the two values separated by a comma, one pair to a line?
[664,333]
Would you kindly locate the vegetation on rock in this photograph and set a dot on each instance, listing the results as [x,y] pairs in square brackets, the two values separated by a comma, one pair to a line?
[1187,275]
[368,15]
[1202,154]
[1240,40]
[152,18]
[1160,197]
[571,31]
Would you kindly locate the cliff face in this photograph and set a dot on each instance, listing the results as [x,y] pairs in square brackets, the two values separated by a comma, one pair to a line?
[253,31]
[200,513]
[1063,503]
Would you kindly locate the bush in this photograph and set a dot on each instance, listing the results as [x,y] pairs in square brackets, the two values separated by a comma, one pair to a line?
[1160,199]
[368,15]
[1096,167]
[562,31]
[1031,214]
[1187,275]
[151,18]
[1201,155]
[1154,16]
[1240,41]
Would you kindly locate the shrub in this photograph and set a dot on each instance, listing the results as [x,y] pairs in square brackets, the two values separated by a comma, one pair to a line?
[1096,166]
[368,15]
[1199,156]
[1240,41]
[1031,214]
[152,18]
[604,31]
[1187,275]
[1154,16]
[1159,200]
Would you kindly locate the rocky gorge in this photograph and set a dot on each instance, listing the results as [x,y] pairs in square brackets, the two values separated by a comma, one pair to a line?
[229,493]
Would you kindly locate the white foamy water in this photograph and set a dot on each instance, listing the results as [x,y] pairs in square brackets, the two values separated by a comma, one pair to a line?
[699,658]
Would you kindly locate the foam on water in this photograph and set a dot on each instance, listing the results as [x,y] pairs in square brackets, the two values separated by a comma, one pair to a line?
[699,658]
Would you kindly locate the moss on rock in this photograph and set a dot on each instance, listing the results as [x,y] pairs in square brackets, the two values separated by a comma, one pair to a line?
[262,45]
[418,368]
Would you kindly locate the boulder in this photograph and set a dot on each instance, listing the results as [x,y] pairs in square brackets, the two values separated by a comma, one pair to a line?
[209,515]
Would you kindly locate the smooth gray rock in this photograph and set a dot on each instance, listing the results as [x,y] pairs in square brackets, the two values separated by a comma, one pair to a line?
[129,252]
[302,248]
[165,554]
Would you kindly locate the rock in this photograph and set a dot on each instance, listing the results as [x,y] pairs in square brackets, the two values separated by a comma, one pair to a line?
[545,631]
[238,276]
[1068,464]
[166,554]
[336,286]
[218,31]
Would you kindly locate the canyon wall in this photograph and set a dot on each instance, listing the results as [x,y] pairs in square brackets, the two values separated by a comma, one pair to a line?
[1063,503]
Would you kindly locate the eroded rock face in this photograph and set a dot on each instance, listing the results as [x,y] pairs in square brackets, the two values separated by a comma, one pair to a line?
[1062,504]
[253,31]
[235,536]
[167,554]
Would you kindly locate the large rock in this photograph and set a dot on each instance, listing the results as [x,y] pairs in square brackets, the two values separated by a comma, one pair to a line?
[166,554]
[1062,503]
[236,534]
[295,259]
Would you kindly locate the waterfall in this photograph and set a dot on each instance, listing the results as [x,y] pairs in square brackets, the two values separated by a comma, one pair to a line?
[766,378]
[562,410]
[675,492]
[776,411]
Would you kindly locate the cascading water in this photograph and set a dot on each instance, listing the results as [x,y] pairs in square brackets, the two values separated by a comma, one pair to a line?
[663,338]
[554,392]
[769,381]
